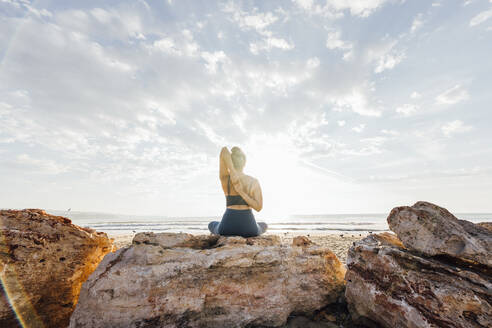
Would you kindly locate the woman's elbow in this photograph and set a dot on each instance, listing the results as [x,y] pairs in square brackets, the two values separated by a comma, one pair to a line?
[258,207]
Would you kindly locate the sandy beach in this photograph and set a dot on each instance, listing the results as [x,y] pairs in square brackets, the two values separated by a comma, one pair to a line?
[338,244]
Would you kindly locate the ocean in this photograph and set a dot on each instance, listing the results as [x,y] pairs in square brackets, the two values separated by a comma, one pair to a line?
[117,224]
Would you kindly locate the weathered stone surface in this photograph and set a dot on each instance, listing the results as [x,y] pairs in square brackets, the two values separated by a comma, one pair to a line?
[301,241]
[395,287]
[432,230]
[486,225]
[181,280]
[44,260]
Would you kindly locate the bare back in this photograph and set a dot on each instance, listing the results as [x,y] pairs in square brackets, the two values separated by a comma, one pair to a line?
[248,183]
[235,182]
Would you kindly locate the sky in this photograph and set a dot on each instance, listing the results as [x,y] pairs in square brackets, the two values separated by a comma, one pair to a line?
[340,106]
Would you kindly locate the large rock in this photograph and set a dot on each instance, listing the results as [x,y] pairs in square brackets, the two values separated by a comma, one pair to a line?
[390,285]
[436,273]
[432,230]
[181,280]
[44,260]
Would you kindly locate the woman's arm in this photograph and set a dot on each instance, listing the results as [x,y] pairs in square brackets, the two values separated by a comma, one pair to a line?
[256,201]
[225,157]
[223,172]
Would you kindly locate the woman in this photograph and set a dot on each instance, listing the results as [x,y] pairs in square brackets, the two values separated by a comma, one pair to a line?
[242,192]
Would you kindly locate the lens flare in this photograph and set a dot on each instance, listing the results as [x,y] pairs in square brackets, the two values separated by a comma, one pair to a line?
[14,291]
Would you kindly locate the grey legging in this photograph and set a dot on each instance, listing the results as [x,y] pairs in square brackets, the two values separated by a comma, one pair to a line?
[237,223]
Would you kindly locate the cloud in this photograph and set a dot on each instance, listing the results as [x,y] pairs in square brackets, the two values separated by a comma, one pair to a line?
[335,8]
[417,23]
[481,17]
[246,21]
[305,4]
[333,41]
[362,8]
[359,128]
[452,96]
[388,61]
[385,55]
[431,174]
[128,97]
[407,109]
[357,102]
[390,132]
[40,166]
[213,59]
[186,46]
[270,43]
[455,127]
[259,22]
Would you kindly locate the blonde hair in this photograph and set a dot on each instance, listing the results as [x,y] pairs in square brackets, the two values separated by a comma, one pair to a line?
[238,158]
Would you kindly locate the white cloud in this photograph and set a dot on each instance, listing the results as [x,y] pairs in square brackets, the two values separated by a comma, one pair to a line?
[305,4]
[43,166]
[250,21]
[389,132]
[385,55]
[481,17]
[362,8]
[417,23]
[388,61]
[213,59]
[357,102]
[359,128]
[455,127]
[415,95]
[341,123]
[333,41]
[452,96]
[259,21]
[167,45]
[186,46]
[407,109]
[268,44]
[312,63]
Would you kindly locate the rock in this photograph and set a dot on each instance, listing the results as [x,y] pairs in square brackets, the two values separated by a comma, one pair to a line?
[303,322]
[392,286]
[486,225]
[301,241]
[44,260]
[181,280]
[432,230]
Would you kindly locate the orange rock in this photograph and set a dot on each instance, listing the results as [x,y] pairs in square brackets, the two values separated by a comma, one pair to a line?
[44,260]
[301,241]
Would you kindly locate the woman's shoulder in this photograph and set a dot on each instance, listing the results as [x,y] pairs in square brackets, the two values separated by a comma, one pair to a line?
[250,179]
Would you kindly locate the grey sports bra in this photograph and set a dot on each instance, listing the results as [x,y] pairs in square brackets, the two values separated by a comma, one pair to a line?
[233,199]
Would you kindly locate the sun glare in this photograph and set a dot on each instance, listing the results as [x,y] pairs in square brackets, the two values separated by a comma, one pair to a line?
[276,163]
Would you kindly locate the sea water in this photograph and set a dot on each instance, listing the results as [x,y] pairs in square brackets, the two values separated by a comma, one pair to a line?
[123,224]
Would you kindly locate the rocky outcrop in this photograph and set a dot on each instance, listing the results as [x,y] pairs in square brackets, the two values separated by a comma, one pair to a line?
[411,280]
[181,280]
[486,225]
[44,260]
[432,230]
